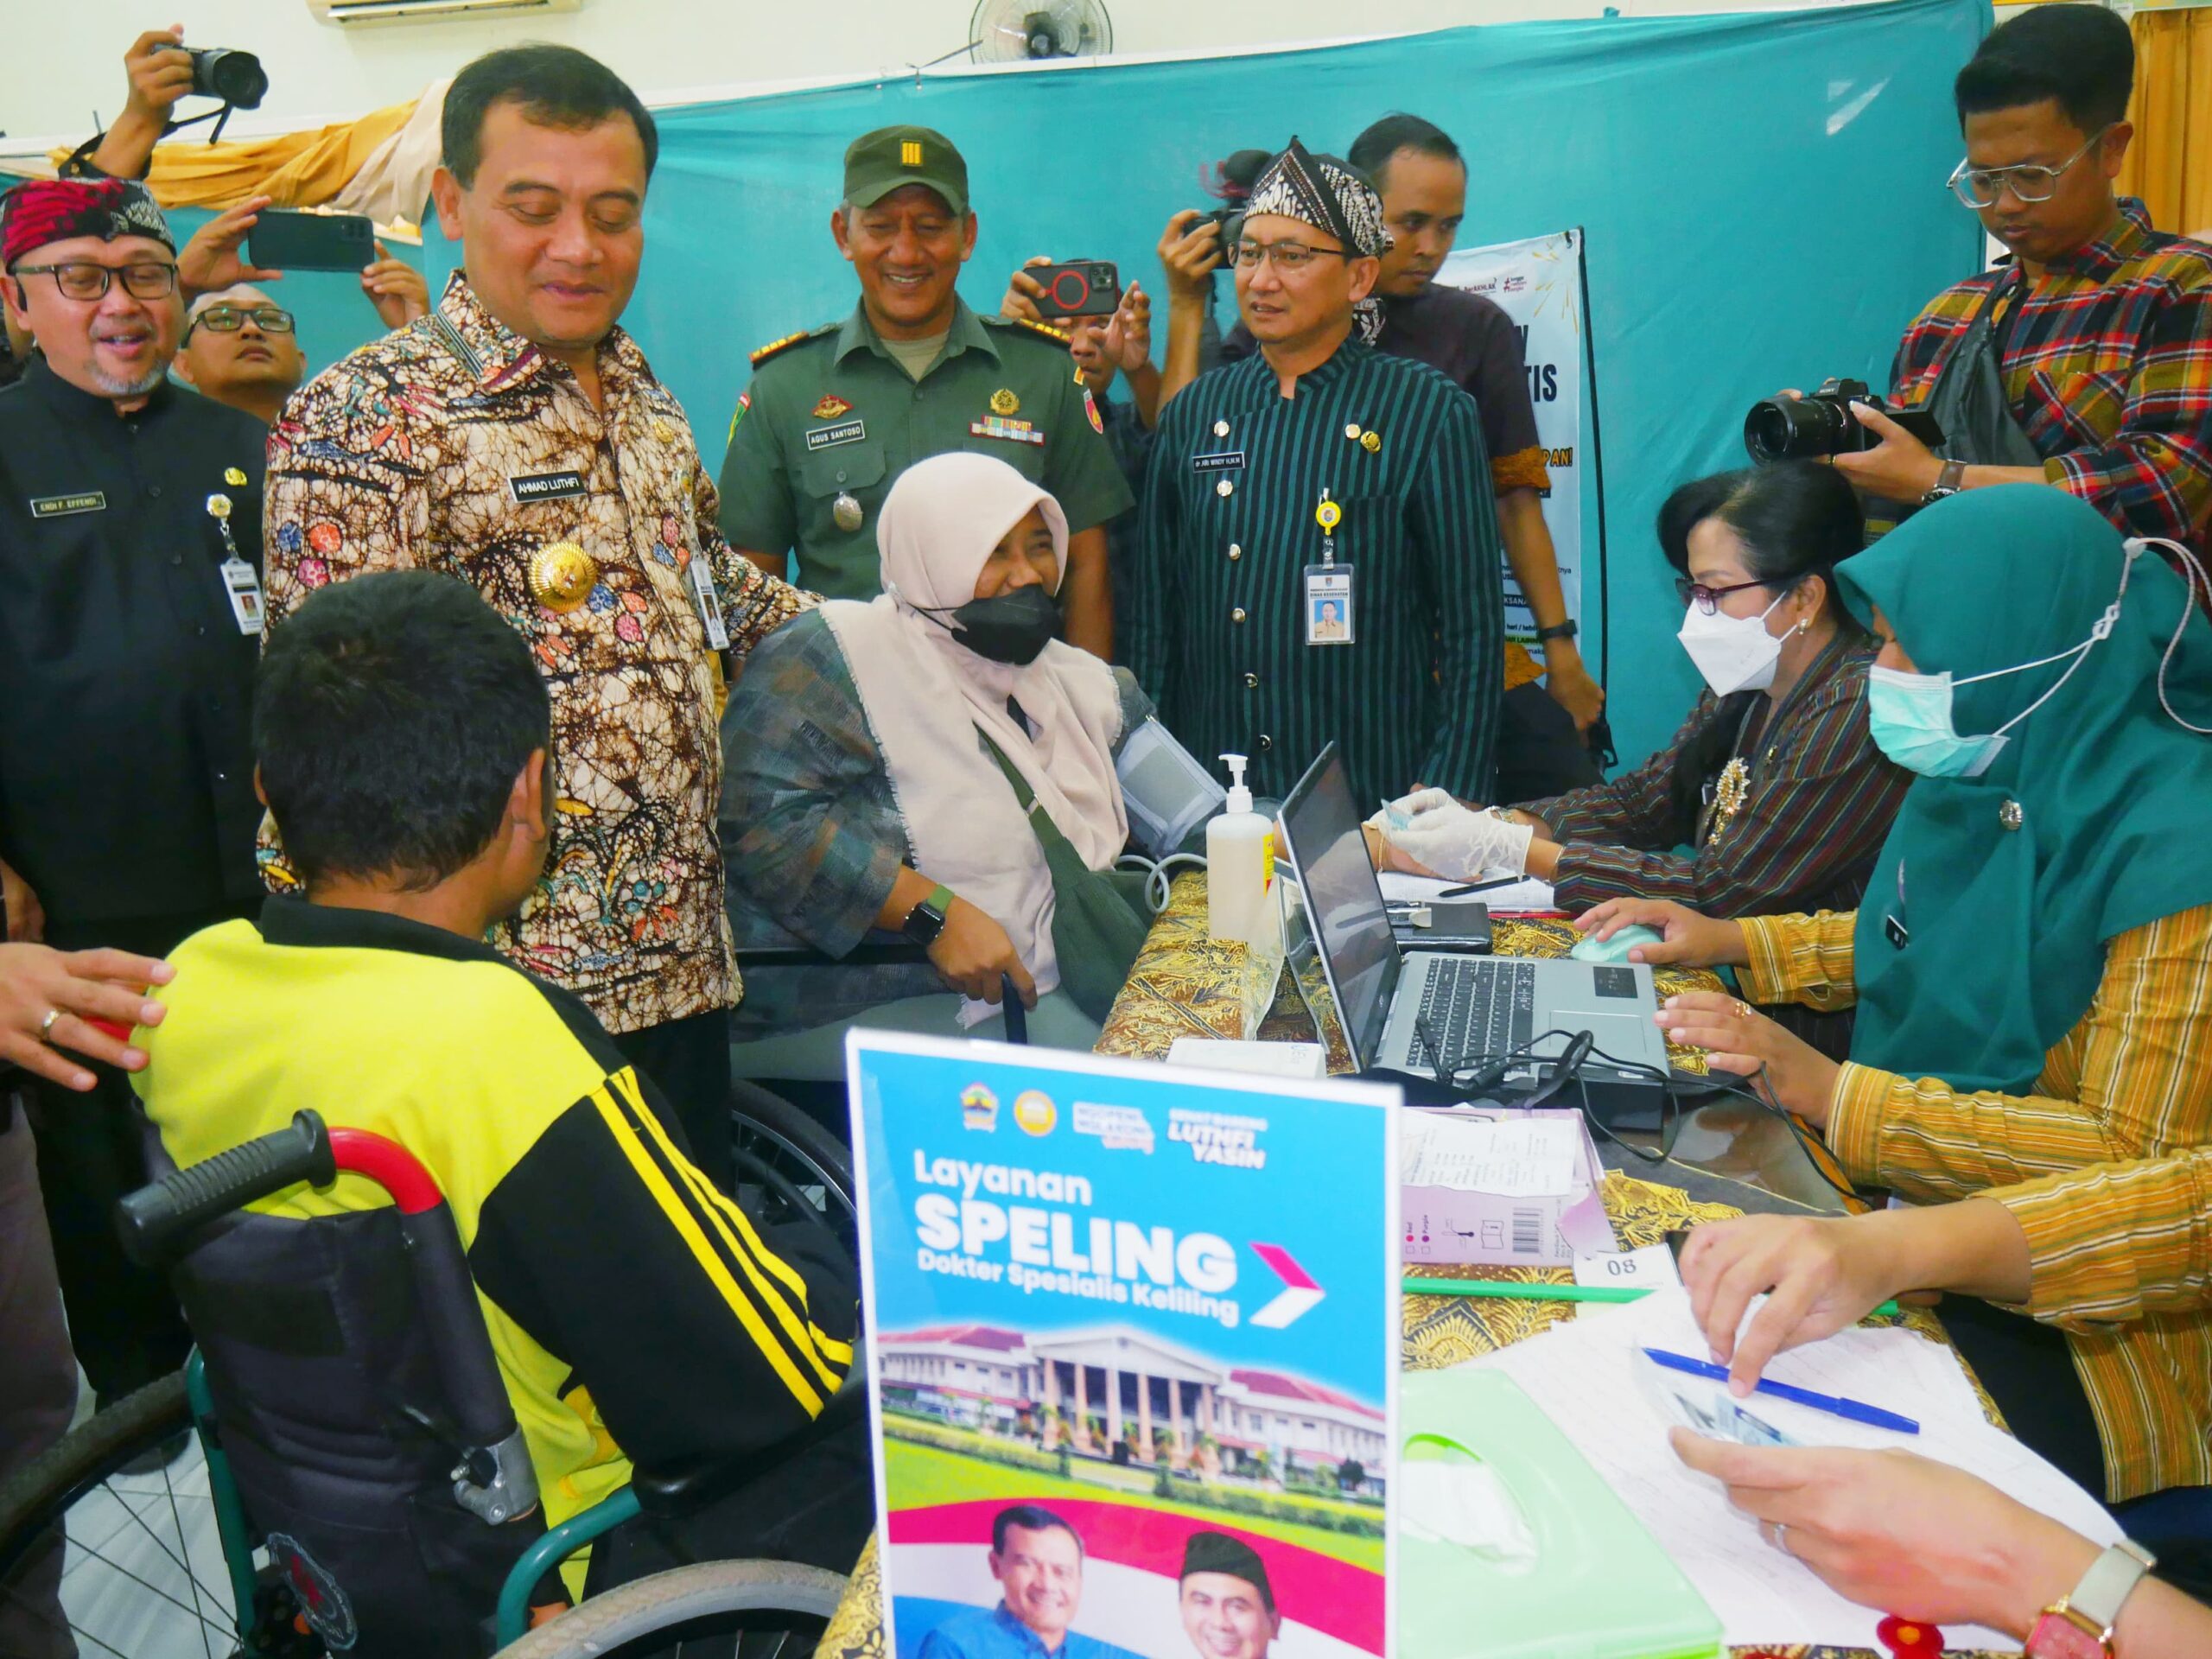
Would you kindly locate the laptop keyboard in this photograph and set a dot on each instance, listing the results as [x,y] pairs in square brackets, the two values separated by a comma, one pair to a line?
[1478,1007]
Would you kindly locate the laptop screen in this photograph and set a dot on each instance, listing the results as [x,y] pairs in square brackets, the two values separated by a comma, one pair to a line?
[1344,900]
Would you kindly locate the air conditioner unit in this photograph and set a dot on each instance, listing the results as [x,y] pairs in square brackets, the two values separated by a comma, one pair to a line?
[350,12]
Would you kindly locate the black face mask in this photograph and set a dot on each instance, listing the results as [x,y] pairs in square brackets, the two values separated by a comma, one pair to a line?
[1012,628]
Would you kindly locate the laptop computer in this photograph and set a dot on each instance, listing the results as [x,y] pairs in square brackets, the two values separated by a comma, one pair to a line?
[1476,1009]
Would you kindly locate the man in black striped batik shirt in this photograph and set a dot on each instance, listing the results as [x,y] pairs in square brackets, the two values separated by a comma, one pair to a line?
[1320,551]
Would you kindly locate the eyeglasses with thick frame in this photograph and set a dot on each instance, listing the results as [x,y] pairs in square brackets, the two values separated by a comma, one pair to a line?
[1285,255]
[1708,600]
[2030,180]
[229,319]
[86,280]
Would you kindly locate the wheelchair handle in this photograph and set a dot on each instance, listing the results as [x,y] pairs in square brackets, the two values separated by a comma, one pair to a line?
[155,1221]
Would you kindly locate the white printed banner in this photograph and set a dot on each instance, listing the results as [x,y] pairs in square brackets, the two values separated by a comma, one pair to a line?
[1538,284]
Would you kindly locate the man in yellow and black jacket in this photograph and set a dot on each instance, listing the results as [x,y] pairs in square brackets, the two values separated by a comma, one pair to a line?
[636,1314]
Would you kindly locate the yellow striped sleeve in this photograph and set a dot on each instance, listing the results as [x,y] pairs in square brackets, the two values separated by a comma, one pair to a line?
[2117,1241]
[1804,959]
[743,1244]
[683,1218]
[2133,1080]
[2119,1252]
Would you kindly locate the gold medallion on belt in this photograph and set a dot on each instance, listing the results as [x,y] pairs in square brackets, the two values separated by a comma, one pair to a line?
[561,575]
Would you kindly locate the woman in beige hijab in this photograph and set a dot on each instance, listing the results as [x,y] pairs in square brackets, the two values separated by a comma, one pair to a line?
[878,757]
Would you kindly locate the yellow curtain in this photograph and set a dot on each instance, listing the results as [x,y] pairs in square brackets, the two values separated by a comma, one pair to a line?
[2169,164]
[299,169]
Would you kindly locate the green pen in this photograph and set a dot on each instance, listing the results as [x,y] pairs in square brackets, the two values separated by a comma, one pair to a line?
[1518,1291]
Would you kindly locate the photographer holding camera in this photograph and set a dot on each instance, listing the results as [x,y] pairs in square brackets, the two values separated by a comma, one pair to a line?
[164,71]
[1105,344]
[2085,361]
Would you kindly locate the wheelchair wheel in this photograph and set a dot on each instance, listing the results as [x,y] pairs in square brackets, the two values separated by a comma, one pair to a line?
[151,1536]
[754,1610]
[790,1165]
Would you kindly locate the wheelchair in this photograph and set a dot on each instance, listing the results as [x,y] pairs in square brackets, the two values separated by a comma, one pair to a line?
[413,1363]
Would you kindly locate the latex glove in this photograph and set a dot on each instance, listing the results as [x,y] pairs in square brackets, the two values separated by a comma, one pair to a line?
[1456,842]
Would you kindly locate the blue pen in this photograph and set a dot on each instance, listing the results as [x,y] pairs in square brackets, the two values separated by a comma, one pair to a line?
[1835,1404]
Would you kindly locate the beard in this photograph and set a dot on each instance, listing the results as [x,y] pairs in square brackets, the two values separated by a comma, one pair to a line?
[112,385]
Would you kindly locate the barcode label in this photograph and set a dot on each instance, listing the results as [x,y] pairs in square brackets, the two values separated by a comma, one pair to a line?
[1527,1232]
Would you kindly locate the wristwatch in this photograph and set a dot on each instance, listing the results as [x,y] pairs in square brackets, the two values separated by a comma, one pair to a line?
[1566,630]
[2079,1626]
[1949,482]
[926,920]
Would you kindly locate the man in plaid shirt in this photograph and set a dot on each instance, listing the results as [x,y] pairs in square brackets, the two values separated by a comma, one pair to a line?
[2092,344]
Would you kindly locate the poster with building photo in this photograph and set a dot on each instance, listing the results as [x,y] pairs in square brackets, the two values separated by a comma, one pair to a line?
[1538,284]
[1133,1341]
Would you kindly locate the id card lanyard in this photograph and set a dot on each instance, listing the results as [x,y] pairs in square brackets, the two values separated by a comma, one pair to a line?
[1327,607]
[711,606]
[241,582]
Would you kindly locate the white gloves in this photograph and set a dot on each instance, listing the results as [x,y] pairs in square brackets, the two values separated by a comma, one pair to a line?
[1430,829]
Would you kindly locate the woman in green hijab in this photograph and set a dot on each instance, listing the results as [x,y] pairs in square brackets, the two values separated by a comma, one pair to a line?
[2032,965]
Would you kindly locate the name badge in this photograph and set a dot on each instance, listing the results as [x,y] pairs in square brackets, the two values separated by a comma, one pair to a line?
[710,604]
[1226,460]
[243,587]
[548,487]
[1328,605]
[61,506]
[826,438]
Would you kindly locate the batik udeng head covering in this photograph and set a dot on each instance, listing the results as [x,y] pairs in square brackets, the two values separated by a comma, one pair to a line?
[1333,196]
[55,210]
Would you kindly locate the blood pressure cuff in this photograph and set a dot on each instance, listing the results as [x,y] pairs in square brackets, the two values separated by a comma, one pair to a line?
[1167,792]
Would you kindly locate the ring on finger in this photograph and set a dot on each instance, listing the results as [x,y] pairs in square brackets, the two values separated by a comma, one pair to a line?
[46,1026]
[1776,1533]
[1743,1009]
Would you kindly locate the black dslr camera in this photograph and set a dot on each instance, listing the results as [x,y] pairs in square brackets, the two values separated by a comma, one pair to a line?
[235,77]
[1811,429]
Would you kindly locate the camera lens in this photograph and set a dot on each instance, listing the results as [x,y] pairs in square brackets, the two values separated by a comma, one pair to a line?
[1794,429]
[235,77]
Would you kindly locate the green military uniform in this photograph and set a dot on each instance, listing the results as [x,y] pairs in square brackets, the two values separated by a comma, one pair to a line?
[832,417]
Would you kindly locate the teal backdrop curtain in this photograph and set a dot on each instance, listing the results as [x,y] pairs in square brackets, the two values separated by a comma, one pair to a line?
[1762,195]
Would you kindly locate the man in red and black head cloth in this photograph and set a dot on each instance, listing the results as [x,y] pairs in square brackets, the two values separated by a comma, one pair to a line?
[130,557]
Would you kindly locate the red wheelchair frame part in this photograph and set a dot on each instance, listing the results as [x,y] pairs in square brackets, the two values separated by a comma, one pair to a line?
[390,1165]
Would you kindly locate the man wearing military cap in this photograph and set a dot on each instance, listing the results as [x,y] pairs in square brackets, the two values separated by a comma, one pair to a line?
[1227,1603]
[833,415]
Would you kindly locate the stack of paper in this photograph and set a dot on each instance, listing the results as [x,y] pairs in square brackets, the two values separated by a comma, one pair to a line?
[1526,1157]
[1581,1374]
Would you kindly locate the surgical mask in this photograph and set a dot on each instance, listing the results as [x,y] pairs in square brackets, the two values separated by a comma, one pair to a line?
[1734,653]
[1909,715]
[1013,628]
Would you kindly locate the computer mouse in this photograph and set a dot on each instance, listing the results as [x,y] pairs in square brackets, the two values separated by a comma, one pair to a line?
[1591,948]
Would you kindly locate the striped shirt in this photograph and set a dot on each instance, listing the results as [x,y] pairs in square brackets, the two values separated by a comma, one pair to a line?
[1219,635]
[2107,363]
[2132,1080]
[1820,799]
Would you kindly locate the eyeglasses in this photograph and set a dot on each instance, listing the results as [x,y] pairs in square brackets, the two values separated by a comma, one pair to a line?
[1708,600]
[1981,187]
[1285,256]
[86,281]
[229,319]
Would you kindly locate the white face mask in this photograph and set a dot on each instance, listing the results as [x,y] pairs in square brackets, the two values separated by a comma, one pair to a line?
[1734,653]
